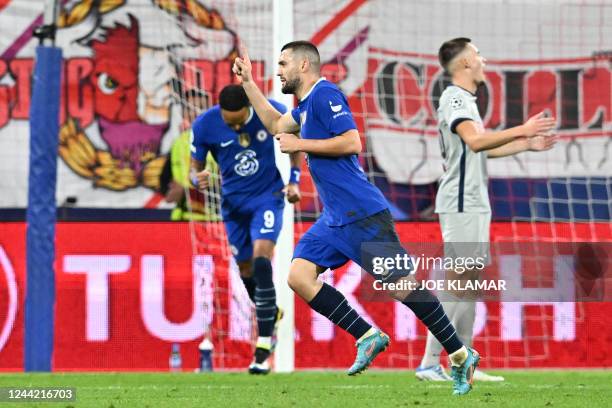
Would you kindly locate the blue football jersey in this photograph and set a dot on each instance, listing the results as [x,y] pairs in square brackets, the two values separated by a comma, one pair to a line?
[345,191]
[245,157]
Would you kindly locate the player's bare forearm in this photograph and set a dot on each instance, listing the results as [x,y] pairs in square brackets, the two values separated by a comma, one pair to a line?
[509,149]
[295,159]
[292,189]
[342,145]
[479,140]
[269,116]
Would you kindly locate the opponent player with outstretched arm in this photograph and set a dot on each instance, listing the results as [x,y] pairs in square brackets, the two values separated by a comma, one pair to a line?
[252,199]
[462,201]
[355,211]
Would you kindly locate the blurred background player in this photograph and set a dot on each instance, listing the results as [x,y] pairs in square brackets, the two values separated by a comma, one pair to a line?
[462,201]
[253,198]
[174,181]
[355,211]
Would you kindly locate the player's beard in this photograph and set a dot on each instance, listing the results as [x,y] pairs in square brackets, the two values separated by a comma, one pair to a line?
[291,85]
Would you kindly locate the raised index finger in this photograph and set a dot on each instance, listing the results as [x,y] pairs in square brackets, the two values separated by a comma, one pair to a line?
[245,54]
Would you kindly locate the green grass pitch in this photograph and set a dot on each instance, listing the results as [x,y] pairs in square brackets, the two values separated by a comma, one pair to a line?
[318,389]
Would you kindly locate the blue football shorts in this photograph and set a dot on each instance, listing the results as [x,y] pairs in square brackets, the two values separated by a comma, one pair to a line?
[255,220]
[360,241]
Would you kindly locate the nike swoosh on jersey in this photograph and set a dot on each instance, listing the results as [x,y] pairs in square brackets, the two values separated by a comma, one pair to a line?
[225,144]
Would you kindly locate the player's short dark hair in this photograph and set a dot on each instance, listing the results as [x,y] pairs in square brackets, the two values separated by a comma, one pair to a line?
[450,49]
[306,48]
[233,98]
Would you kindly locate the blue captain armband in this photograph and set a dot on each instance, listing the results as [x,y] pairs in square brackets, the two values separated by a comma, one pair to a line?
[294,176]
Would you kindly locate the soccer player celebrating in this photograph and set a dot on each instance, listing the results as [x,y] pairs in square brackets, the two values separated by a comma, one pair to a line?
[252,199]
[355,211]
[462,201]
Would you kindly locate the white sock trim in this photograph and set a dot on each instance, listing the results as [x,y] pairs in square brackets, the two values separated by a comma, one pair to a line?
[264,343]
[370,332]
[458,357]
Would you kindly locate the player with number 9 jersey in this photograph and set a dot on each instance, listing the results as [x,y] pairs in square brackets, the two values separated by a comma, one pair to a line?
[252,199]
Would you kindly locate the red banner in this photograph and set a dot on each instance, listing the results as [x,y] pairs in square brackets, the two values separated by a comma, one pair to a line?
[127,291]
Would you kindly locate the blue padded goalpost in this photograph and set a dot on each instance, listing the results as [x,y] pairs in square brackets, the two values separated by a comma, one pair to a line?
[41,211]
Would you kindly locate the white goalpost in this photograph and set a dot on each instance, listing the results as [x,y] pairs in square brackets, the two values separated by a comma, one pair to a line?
[284,355]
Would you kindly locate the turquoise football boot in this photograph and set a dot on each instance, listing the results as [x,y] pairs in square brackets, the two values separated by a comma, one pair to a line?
[367,350]
[463,376]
